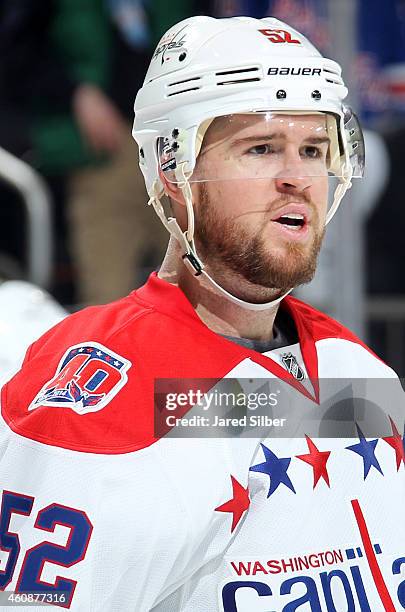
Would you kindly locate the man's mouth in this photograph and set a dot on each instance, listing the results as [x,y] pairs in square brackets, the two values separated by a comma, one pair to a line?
[292,220]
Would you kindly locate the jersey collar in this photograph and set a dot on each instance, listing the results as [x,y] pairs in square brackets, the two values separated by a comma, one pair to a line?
[169,299]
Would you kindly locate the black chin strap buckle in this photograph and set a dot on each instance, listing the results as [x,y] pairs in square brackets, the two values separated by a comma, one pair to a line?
[192,263]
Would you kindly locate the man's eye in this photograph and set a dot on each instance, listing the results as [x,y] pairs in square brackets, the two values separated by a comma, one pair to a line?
[261,149]
[312,152]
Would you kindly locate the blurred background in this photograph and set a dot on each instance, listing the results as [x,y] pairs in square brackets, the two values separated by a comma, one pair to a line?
[74,225]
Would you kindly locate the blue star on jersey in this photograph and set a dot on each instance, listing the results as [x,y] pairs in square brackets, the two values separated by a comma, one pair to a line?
[276,468]
[366,449]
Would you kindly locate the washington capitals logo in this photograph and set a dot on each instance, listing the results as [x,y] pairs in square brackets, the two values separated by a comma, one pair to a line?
[292,365]
[88,376]
[169,42]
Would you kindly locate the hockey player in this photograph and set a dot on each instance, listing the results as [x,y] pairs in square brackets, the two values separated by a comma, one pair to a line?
[106,504]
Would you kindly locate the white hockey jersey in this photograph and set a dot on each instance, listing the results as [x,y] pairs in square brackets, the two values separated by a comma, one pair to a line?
[101,512]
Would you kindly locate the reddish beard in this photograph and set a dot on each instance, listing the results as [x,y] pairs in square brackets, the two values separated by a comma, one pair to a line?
[225,244]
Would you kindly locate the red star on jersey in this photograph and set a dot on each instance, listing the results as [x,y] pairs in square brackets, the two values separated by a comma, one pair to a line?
[318,460]
[397,444]
[238,504]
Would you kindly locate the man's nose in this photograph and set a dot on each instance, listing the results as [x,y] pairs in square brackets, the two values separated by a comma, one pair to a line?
[294,175]
[292,183]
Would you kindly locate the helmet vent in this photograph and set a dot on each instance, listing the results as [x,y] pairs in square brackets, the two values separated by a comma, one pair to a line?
[235,73]
[332,77]
[196,78]
[237,81]
[183,89]
[176,93]
[238,71]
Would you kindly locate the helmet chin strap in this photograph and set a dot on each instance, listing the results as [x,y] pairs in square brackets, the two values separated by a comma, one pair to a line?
[186,239]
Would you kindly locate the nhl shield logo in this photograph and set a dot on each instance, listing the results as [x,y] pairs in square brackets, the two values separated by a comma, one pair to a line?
[88,376]
[292,365]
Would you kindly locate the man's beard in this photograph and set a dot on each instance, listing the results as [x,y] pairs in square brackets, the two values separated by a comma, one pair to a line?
[225,244]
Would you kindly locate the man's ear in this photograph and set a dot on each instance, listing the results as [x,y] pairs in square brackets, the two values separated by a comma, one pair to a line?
[172,190]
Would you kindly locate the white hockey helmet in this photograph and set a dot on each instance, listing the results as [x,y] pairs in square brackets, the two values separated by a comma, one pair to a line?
[204,68]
